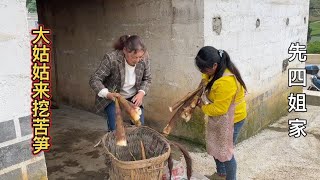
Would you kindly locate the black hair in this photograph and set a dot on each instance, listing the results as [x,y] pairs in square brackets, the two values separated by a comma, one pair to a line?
[208,56]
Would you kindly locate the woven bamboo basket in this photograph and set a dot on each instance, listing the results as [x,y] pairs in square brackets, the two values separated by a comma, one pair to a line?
[127,162]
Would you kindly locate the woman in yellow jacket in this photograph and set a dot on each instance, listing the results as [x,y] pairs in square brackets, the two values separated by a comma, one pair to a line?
[225,107]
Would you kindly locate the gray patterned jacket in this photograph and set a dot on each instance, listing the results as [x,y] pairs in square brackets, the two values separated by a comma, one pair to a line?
[111,73]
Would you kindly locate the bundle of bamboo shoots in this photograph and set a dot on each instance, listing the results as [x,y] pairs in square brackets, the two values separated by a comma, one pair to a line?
[185,107]
[134,113]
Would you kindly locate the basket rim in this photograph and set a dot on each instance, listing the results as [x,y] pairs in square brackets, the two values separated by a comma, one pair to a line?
[139,163]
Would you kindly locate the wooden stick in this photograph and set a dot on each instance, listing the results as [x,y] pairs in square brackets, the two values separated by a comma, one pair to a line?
[143,150]
[132,155]
[121,139]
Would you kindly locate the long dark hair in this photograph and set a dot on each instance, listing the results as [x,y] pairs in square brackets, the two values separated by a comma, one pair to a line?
[208,56]
[131,43]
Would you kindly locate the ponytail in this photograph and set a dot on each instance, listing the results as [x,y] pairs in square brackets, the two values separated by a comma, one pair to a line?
[234,70]
[225,62]
[131,43]
[120,44]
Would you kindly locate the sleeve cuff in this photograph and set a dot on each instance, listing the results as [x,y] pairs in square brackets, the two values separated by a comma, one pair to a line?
[103,93]
[205,79]
[203,108]
[142,91]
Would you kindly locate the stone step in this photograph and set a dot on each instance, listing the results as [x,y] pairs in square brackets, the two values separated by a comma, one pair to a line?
[313,97]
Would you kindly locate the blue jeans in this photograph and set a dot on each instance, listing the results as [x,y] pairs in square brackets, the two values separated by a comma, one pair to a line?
[110,111]
[229,168]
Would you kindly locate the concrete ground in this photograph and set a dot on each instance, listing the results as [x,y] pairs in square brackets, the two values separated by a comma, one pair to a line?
[274,155]
[73,156]
[271,154]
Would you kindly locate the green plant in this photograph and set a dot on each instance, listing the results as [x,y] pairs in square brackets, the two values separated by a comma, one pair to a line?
[309,32]
[315,26]
[313,47]
[31,6]
[314,10]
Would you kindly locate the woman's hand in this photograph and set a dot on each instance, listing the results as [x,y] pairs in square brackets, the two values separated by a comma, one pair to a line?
[204,99]
[113,96]
[138,99]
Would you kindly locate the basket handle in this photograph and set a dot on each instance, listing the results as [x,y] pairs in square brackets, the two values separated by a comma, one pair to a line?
[186,156]
[97,144]
[102,140]
[150,170]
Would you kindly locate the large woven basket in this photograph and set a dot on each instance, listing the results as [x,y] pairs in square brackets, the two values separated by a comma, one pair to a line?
[127,163]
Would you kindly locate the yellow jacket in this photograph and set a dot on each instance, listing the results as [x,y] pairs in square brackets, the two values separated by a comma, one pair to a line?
[222,92]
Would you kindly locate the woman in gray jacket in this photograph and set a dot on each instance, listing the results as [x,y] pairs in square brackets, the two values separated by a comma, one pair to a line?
[124,71]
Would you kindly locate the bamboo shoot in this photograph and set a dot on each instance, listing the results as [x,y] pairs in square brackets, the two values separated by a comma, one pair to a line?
[187,113]
[120,132]
[185,107]
[175,117]
[136,108]
[185,98]
[134,115]
[143,152]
